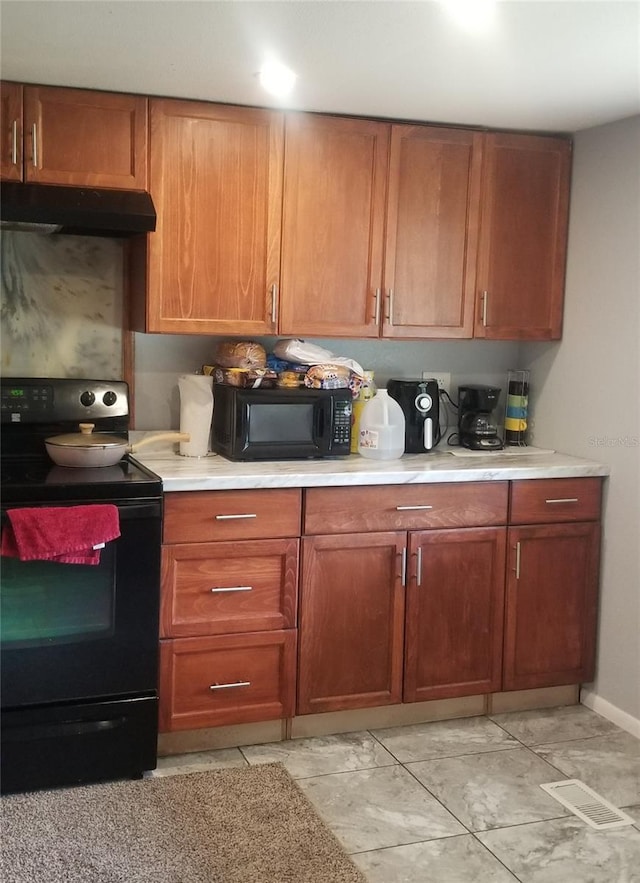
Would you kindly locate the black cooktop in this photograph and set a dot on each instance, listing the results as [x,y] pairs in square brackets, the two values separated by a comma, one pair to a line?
[34,409]
[31,480]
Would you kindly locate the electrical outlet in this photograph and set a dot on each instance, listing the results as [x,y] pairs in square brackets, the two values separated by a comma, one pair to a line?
[443,378]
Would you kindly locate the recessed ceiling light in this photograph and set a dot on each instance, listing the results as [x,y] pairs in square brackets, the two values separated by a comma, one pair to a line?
[472,15]
[277,79]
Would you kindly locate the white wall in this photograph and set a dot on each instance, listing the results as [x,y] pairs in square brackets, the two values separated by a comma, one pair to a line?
[586,388]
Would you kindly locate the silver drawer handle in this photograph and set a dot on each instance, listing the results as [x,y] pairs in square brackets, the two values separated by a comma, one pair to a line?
[229,517]
[228,686]
[564,500]
[408,508]
[232,589]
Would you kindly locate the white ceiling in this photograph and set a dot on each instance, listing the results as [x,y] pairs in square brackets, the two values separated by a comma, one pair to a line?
[546,65]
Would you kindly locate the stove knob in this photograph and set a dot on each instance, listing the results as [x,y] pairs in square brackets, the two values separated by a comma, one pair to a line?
[87,398]
[109,398]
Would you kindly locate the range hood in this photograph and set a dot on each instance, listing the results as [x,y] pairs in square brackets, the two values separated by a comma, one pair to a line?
[45,208]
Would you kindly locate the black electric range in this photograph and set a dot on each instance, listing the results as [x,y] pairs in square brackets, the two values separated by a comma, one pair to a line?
[78,642]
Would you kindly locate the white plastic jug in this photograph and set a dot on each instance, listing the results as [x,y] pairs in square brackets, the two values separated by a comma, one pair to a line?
[196,411]
[381,434]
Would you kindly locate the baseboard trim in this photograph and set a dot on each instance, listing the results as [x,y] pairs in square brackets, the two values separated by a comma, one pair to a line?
[611,712]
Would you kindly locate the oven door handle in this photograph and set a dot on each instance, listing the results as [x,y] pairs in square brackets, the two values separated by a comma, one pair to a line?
[140,510]
[126,511]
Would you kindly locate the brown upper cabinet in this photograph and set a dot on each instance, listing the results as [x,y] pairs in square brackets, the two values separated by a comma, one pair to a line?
[431,232]
[379,229]
[313,225]
[73,137]
[333,226]
[216,181]
[523,237]
[11,122]
[399,231]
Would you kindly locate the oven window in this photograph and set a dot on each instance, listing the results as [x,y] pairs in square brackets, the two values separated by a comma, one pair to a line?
[44,603]
[276,423]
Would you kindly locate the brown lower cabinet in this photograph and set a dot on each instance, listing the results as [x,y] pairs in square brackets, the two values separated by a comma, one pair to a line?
[394,617]
[552,596]
[406,615]
[228,607]
[552,582]
[407,593]
[454,613]
[351,621]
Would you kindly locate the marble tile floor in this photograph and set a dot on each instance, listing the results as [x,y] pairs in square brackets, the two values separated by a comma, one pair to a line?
[459,801]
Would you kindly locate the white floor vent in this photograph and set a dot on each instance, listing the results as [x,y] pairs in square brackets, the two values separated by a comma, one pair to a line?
[587,805]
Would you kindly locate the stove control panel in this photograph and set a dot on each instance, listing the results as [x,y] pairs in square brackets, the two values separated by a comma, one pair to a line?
[34,400]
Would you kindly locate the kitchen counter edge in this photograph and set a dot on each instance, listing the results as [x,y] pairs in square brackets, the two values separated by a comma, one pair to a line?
[216,473]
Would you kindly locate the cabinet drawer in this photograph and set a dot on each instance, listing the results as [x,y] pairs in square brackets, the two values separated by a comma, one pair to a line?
[202,516]
[540,501]
[228,679]
[224,588]
[413,507]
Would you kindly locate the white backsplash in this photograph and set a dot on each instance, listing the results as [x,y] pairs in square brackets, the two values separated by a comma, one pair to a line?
[61,306]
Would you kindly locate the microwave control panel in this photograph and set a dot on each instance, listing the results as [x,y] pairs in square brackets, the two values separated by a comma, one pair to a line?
[342,423]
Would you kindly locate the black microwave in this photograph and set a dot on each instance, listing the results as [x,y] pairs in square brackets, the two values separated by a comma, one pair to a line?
[280,424]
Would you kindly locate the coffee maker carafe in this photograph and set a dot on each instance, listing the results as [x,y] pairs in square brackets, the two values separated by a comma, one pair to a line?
[477,426]
[419,402]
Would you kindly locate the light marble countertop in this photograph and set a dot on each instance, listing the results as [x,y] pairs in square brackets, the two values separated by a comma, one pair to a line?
[217,473]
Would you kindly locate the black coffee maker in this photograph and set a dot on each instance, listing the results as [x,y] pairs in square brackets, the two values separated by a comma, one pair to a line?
[419,402]
[477,427]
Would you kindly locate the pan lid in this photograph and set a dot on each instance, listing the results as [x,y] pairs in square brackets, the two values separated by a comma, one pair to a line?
[86,439]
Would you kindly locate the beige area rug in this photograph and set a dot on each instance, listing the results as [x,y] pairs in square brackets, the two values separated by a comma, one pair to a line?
[249,825]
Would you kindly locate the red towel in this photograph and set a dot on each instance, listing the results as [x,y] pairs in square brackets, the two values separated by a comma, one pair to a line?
[66,534]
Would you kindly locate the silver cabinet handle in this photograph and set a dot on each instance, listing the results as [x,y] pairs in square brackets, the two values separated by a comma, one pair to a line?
[419,567]
[229,686]
[229,517]
[409,508]
[231,589]
[517,568]
[34,145]
[404,567]
[389,316]
[485,298]
[376,311]
[274,303]
[14,142]
[564,500]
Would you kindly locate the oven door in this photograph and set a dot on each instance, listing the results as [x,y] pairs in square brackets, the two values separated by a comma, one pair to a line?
[73,632]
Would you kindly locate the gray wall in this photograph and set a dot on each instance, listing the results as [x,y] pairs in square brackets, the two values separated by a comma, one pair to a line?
[587,387]
[160,358]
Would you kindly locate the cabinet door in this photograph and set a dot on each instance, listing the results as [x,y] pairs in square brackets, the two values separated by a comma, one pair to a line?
[351,622]
[216,180]
[11,129]
[455,610]
[431,238]
[552,587]
[78,137]
[523,237]
[333,226]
